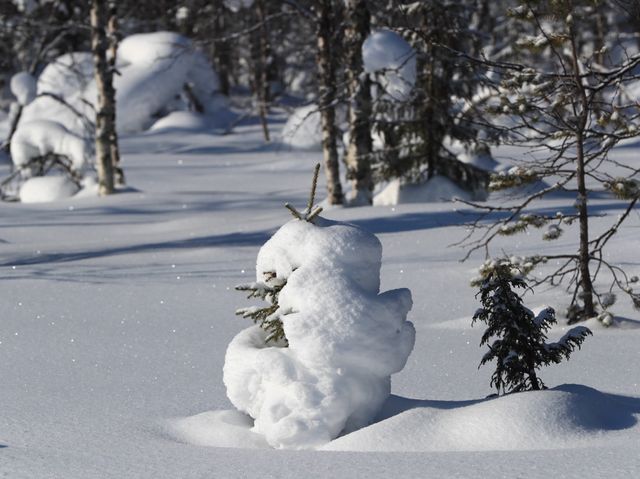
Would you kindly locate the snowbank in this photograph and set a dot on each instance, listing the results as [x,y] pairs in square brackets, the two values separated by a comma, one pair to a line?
[345,339]
[565,417]
[388,55]
[42,189]
[227,428]
[438,188]
[303,129]
[38,138]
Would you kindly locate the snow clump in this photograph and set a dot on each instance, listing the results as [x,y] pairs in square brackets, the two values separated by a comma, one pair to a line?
[345,338]
[303,129]
[38,138]
[23,87]
[388,55]
[42,189]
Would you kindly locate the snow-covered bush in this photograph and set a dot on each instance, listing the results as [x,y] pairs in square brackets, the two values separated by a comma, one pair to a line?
[515,335]
[387,55]
[344,337]
[303,129]
[159,73]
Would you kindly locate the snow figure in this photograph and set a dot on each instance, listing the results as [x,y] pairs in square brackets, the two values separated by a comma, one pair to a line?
[343,338]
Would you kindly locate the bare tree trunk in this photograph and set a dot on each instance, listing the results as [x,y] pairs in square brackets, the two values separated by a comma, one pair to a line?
[114,39]
[221,48]
[105,111]
[261,53]
[583,214]
[359,150]
[327,94]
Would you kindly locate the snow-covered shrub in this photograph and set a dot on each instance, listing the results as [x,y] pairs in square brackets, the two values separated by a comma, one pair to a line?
[387,55]
[303,129]
[515,335]
[159,73]
[345,338]
[42,189]
[36,139]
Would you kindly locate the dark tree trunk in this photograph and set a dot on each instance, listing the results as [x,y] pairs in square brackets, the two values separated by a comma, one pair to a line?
[261,56]
[359,149]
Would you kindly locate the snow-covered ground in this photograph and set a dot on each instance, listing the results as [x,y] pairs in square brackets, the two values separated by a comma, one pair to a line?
[116,313]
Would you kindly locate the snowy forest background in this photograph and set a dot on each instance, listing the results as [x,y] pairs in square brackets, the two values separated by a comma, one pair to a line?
[482,142]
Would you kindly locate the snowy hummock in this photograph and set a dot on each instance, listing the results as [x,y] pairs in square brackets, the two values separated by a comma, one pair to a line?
[565,417]
[42,189]
[41,137]
[345,338]
[438,188]
[153,71]
[392,59]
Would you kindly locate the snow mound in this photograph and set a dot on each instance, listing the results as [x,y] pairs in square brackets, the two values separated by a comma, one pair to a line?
[41,137]
[433,190]
[228,428]
[345,338]
[158,73]
[392,59]
[564,417]
[42,189]
[24,87]
[303,129]
[180,120]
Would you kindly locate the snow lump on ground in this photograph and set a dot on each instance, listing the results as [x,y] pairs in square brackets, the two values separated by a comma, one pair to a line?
[345,338]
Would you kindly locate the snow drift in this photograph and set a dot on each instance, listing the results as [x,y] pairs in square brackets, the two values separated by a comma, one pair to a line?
[345,338]
[564,417]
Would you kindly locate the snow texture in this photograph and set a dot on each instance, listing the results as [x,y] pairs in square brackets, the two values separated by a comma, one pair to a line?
[42,189]
[391,58]
[345,339]
[23,86]
[38,138]
[435,189]
[303,129]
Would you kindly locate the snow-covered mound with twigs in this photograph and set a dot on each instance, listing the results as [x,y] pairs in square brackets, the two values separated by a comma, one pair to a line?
[345,337]
[160,72]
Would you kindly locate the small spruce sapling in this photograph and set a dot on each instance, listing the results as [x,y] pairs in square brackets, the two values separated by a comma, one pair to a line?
[515,336]
[269,317]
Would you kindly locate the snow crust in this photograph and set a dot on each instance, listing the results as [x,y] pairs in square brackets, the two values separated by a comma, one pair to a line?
[392,59]
[38,138]
[303,129]
[438,188]
[345,338]
[23,86]
[42,189]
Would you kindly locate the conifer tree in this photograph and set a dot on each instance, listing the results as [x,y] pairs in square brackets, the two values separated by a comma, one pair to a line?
[515,336]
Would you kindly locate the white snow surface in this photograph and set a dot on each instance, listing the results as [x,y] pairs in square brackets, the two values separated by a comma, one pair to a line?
[436,189]
[392,59]
[23,86]
[345,338]
[116,313]
[40,137]
[42,189]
